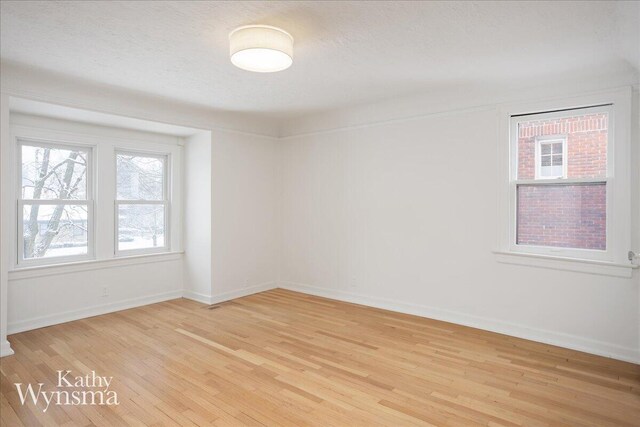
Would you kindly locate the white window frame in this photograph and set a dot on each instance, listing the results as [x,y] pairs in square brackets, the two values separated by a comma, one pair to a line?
[549,139]
[608,180]
[20,261]
[613,260]
[104,141]
[166,201]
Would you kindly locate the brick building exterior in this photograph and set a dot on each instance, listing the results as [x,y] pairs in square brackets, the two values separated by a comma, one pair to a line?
[572,216]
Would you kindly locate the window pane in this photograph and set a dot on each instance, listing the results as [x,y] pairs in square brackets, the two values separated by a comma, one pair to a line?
[586,139]
[567,216]
[54,173]
[140,226]
[140,177]
[54,230]
[550,172]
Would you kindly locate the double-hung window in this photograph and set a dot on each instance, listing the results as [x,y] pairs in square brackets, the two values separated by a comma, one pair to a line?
[568,189]
[55,202]
[142,203]
[560,182]
[79,193]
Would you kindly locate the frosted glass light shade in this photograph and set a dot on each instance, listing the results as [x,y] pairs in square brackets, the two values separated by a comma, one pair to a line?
[261,48]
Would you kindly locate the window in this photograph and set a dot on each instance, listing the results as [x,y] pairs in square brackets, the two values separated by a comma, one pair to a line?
[565,187]
[550,157]
[142,205]
[90,194]
[55,203]
[568,192]
[561,181]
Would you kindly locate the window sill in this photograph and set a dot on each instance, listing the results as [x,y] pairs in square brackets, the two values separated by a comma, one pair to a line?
[21,273]
[603,268]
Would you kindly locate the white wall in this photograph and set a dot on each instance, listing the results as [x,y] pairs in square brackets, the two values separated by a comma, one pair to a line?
[245,201]
[37,300]
[403,215]
[197,213]
[232,198]
[5,166]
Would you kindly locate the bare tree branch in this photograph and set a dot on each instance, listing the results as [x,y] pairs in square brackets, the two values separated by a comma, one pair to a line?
[54,221]
[32,228]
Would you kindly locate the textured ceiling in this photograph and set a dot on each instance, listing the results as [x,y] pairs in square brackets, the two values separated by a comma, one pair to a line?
[346,53]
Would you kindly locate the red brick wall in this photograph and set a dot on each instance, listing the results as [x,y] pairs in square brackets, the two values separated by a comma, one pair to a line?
[568,216]
[586,144]
[572,216]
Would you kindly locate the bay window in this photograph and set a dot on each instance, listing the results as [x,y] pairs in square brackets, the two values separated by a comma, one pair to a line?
[85,193]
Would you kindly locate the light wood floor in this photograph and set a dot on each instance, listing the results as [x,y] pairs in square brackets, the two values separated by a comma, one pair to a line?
[284,358]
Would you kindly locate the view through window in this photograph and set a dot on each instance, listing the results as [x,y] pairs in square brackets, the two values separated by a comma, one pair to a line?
[141,201]
[561,179]
[55,199]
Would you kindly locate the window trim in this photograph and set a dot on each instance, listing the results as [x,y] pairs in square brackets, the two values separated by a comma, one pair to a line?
[20,261]
[550,139]
[577,253]
[104,141]
[618,182]
[166,201]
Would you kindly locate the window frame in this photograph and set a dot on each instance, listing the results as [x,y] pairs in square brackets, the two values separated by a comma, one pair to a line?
[592,254]
[550,139]
[618,180]
[166,201]
[89,201]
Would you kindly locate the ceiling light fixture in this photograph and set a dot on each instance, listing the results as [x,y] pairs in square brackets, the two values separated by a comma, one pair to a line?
[261,48]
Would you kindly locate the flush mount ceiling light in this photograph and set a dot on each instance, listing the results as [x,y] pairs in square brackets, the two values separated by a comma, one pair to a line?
[261,48]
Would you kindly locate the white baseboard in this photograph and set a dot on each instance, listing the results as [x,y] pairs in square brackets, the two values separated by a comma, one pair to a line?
[68,316]
[226,296]
[198,297]
[549,337]
[249,290]
[559,339]
[5,349]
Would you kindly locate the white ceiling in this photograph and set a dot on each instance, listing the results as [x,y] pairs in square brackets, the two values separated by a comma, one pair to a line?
[346,53]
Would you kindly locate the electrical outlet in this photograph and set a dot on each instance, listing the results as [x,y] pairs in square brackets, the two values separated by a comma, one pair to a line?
[353,282]
[105,291]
